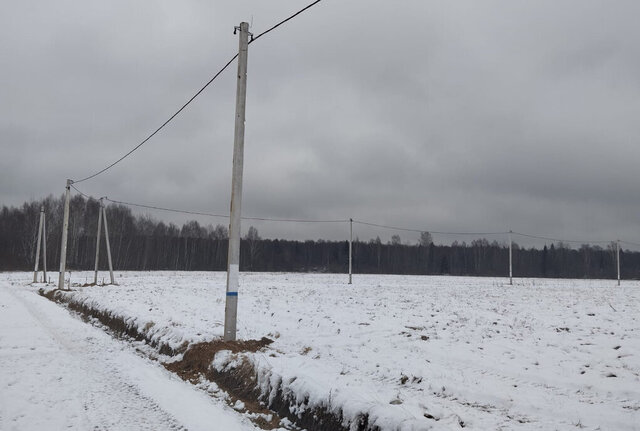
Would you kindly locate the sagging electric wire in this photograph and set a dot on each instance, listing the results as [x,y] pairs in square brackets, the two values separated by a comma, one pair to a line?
[166,209]
[361,222]
[206,214]
[163,124]
[253,39]
[425,230]
[630,243]
[560,239]
[188,102]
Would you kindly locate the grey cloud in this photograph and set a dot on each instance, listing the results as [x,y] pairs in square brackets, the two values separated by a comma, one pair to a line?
[443,115]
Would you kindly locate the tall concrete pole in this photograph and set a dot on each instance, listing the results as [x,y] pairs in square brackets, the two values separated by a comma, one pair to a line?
[106,240]
[618,259]
[95,277]
[65,231]
[350,247]
[233,260]
[44,246]
[510,259]
[35,270]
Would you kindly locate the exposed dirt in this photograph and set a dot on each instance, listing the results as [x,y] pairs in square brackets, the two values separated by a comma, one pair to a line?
[239,382]
[240,385]
[197,359]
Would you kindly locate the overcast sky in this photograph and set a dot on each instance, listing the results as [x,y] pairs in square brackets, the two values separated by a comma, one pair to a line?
[437,115]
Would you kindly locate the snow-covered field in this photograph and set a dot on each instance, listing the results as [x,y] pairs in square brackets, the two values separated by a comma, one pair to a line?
[413,352]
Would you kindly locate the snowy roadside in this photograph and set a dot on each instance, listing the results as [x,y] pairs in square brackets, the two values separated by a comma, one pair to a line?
[414,352]
[57,372]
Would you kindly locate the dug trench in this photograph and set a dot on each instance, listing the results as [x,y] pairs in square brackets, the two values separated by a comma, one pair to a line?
[240,382]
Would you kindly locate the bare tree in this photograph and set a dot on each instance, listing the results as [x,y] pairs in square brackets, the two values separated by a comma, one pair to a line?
[425,239]
[253,239]
[219,232]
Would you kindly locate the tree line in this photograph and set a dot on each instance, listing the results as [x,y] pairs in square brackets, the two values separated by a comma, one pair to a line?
[143,243]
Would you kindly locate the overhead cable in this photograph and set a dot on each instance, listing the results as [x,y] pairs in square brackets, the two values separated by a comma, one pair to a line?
[289,220]
[426,230]
[163,124]
[630,243]
[167,209]
[76,189]
[253,39]
[560,239]
[295,220]
[174,210]
[223,215]
[192,97]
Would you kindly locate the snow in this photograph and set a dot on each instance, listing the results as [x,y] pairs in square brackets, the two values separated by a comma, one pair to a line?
[57,372]
[412,352]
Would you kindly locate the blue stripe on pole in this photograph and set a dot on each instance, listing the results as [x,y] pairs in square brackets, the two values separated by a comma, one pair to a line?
[232,293]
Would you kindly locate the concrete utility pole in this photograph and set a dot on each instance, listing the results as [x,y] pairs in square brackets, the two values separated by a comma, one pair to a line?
[95,277]
[35,270]
[233,260]
[106,240]
[510,259]
[65,230]
[44,246]
[618,259]
[350,246]
[102,215]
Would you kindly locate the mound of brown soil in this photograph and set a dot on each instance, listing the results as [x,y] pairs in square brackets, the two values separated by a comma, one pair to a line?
[198,357]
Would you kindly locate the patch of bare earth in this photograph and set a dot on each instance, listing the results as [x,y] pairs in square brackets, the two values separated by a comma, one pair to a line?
[240,385]
[239,382]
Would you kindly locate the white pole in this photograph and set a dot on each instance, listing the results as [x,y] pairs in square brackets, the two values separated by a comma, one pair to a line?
[65,230]
[35,270]
[233,260]
[44,246]
[95,276]
[618,259]
[510,259]
[350,247]
[106,240]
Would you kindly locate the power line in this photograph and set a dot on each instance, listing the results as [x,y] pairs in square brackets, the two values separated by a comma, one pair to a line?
[86,196]
[193,97]
[289,220]
[163,124]
[223,215]
[559,239]
[425,230]
[174,210]
[151,206]
[630,243]
[167,209]
[253,39]
[296,220]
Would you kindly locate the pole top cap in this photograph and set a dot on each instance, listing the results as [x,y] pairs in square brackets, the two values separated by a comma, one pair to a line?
[244,26]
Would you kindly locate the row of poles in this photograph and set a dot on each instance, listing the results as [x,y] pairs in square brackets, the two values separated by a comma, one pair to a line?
[41,246]
[102,218]
[233,259]
[42,240]
[510,233]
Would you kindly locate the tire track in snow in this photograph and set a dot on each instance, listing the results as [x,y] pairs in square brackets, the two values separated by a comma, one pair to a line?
[85,358]
[87,380]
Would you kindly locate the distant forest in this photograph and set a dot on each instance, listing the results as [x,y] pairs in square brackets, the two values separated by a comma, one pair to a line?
[142,243]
